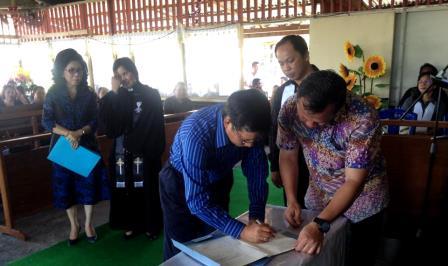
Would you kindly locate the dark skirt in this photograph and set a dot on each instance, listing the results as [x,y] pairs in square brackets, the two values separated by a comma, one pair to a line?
[138,209]
[71,189]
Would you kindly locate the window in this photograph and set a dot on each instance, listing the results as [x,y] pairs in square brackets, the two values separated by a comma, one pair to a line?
[212,61]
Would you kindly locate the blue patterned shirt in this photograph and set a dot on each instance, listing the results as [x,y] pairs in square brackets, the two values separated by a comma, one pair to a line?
[201,151]
[72,114]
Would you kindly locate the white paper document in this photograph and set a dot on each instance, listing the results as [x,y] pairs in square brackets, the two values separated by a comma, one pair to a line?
[279,244]
[226,250]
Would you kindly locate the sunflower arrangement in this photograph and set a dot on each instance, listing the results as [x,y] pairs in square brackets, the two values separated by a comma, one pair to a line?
[372,68]
[22,78]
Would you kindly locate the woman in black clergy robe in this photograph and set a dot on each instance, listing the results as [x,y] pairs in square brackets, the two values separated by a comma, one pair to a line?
[132,114]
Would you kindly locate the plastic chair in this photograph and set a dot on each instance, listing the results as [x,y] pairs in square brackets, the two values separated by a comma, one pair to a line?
[396,113]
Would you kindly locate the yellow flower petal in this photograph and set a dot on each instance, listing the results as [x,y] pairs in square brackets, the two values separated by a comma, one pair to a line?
[375,66]
[349,51]
[350,81]
[343,70]
[373,100]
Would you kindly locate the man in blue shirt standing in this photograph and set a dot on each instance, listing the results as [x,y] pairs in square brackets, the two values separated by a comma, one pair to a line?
[196,181]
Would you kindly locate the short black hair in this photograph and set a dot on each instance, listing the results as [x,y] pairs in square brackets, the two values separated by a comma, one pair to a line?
[249,110]
[256,81]
[255,63]
[63,58]
[423,74]
[433,70]
[297,42]
[321,89]
[127,64]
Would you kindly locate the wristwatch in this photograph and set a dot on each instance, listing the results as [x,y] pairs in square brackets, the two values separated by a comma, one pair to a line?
[324,225]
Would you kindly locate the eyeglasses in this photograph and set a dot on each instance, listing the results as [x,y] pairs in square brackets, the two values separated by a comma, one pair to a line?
[425,82]
[73,71]
[245,142]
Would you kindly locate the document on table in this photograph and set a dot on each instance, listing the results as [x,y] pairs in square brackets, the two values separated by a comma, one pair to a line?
[226,250]
[279,244]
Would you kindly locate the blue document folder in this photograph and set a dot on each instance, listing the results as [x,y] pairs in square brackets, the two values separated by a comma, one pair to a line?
[81,161]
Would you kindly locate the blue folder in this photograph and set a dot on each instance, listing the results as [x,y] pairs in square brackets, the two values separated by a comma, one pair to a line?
[81,161]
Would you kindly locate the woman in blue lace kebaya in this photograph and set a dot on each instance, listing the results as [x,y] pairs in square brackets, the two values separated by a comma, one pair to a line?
[70,110]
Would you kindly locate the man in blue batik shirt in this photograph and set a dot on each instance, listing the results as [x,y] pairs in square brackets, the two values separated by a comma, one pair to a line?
[196,181]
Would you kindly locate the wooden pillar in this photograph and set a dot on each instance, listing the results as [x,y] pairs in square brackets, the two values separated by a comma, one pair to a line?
[111,17]
[241,46]
[89,65]
[181,43]
[7,212]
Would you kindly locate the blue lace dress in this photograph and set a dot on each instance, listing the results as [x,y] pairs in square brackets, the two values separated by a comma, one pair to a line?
[70,188]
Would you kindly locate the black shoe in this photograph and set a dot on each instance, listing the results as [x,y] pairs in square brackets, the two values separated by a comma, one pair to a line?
[130,236]
[92,239]
[151,236]
[72,242]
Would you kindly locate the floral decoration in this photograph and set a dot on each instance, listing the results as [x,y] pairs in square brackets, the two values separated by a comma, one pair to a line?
[372,68]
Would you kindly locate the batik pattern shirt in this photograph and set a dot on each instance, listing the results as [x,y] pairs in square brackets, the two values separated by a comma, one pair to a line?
[351,140]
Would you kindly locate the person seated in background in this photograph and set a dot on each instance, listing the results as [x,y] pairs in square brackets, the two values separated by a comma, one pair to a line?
[179,102]
[428,68]
[425,108]
[253,74]
[12,96]
[258,85]
[102,91]
[38,95]
[425,68]
[8,98]
[20,95]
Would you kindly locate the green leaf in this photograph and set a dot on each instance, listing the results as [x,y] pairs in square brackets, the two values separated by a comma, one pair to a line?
[358,51]
[356,72]
[385,102]
[361,69]
[382,85]
[357,89]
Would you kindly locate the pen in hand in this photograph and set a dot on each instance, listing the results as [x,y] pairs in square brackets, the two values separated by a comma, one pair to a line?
[272,231]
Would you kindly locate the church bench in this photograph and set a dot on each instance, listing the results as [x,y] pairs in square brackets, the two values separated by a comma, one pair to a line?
[25,176]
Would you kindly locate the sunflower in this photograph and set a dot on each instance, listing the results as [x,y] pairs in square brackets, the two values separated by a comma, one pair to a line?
[343,70]
[349,51]
[375,67]
[350,81]
[373,100]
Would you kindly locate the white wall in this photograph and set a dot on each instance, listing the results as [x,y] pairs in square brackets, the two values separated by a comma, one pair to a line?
[421,35]
[373,32]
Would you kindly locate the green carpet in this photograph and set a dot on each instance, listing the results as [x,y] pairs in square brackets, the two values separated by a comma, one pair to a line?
[111,249]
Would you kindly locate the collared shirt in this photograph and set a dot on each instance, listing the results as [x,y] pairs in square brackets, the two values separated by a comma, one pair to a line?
[201,151]
[289,91]
[351,140]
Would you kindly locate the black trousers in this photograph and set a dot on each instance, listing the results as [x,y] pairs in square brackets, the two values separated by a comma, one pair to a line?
[364,240]
[179,223]
[302,182]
